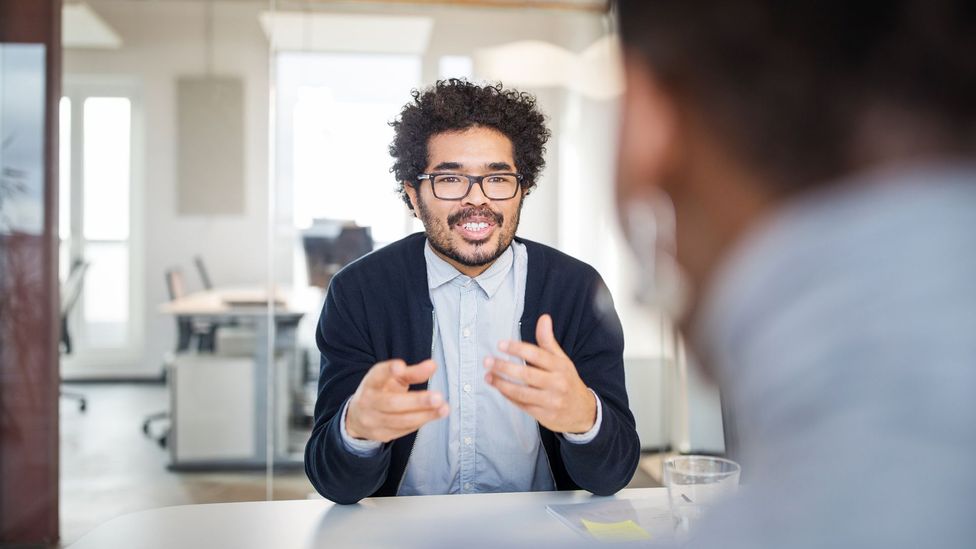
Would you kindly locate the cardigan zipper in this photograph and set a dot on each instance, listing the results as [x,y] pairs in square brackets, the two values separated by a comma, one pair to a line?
[433,332]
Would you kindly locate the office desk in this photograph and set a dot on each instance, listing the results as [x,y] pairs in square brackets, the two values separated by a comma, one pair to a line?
[479,520]
[229,302]
[247,305]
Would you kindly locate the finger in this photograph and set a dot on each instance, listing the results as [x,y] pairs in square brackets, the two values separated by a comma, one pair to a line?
[534,377]
[396,403]
[531,354]
[409,375]
[545,337]
[381,373]
[411,421]
[519,394]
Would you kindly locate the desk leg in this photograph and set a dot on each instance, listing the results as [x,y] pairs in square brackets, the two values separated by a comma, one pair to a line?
[262,361]
[265,388]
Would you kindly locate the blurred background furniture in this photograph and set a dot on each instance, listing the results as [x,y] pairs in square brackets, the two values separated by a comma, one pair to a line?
[70,291]
[189,329]
[202,271]
[331,244]
[219,402]
[191,334]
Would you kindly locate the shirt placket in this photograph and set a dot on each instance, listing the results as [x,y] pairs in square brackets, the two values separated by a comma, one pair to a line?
[468,368]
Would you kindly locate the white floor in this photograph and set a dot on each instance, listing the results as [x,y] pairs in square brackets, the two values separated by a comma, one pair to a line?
[109,467]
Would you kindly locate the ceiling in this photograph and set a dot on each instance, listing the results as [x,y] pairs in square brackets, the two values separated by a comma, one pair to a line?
[573,5]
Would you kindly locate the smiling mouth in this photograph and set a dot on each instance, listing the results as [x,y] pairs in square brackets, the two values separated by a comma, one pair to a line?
[475,230]
[475,225]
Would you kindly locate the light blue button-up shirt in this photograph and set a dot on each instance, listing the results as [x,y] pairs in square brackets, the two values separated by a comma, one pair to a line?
[486,444]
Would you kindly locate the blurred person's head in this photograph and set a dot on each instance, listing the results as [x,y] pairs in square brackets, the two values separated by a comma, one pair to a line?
[733,107]
[455,130]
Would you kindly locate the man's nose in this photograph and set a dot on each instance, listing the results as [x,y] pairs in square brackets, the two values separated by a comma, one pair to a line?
[476,196]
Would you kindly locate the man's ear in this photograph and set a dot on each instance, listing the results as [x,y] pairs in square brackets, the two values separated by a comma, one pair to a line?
[412,195]
[648,129]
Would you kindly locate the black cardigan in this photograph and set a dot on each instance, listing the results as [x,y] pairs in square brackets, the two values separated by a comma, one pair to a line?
[379,308]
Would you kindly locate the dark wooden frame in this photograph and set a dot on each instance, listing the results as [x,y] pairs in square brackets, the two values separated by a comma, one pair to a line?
[29,319]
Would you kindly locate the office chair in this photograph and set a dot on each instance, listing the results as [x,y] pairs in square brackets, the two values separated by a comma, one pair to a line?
[202,271]
[208,285]
[205,333]
[70,292]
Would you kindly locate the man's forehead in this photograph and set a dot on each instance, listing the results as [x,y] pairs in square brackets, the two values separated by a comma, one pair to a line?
[471,148]
[470,138]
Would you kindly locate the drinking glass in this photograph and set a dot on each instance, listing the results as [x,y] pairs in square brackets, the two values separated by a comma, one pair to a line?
[695,483]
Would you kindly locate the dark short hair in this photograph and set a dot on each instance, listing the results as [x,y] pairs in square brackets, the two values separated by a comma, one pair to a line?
[786,84]
[456,105]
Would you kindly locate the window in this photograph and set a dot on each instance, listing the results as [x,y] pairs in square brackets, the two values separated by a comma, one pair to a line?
[334,133]
[94,218]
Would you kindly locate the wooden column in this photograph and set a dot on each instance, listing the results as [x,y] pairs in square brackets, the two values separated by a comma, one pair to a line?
[29,315]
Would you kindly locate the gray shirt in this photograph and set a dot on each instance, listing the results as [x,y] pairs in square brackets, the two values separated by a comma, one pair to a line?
[843,332]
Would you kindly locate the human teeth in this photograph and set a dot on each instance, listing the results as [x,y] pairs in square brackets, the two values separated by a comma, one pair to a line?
[475,226]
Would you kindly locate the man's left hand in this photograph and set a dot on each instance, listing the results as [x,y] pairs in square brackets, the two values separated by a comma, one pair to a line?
[547,387]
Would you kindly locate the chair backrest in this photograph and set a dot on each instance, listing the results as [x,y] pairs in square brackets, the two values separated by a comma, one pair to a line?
[202,270]
[184,324]
[71,288]
[174,284]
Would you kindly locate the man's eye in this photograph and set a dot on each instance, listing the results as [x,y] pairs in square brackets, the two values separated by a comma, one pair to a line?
[449,179]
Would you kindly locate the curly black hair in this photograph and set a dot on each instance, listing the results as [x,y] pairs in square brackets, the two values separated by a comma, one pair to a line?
[456,105]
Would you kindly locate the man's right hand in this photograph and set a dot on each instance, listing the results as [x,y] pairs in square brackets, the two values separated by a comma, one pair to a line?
[383,408]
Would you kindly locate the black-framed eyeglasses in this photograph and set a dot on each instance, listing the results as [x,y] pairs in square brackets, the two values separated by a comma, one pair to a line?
[456,186]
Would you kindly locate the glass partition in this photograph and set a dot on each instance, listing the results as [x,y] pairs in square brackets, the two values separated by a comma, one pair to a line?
[212,151]
[164,194]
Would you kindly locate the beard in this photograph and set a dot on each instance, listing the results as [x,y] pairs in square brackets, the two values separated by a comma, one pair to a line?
[442,238]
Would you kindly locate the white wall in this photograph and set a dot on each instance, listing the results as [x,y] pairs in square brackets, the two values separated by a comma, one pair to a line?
[161,42]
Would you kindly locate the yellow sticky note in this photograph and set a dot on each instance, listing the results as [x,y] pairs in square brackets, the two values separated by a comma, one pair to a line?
[625,530]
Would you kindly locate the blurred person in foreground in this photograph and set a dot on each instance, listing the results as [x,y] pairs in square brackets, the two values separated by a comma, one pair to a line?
[465,359]
[819,159]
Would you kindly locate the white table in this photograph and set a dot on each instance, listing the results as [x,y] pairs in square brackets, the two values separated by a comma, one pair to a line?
[479,520]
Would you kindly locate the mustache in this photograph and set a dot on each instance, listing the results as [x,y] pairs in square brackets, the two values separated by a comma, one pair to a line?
[466,213]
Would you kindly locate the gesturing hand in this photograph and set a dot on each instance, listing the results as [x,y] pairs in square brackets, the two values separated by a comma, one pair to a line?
[383,408]
[548,387]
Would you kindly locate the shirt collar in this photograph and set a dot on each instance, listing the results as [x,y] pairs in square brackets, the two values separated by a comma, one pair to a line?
[492,279]
[440,272]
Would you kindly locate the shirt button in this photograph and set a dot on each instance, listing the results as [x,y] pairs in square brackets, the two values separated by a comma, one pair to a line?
[467,440]
[467,485]
[466,332]
[467,387]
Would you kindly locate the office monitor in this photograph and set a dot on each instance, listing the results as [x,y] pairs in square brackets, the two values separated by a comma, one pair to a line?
[330,245]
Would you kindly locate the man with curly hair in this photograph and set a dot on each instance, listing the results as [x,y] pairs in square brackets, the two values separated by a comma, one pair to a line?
[465,359]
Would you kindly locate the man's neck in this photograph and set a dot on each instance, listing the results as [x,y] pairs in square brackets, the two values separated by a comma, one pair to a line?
[469,271]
